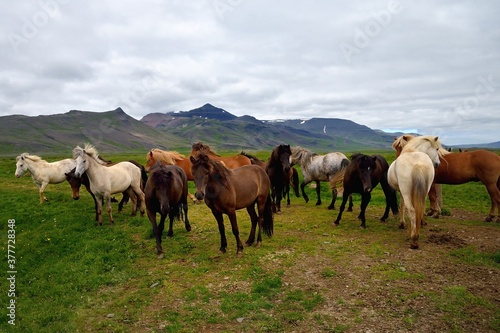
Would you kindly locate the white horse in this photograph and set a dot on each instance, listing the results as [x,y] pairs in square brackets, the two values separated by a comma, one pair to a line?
[107,180]
[318,168]
[412,174]
[43,172]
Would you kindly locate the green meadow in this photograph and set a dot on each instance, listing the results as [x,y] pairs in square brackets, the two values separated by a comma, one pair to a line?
[66,274]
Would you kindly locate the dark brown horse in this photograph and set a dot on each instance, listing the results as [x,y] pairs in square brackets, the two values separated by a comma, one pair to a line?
[225,191]
[278,170]
[361,176]
[293,176]
[460,168]
[166,193]
[76,182]
[231,162]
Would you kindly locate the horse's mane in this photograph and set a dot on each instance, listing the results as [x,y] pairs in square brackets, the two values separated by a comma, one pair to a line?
[34,158]
[168,157]
[215,168]
[199,147]
[89,150]
[415,142]
[402,141]
[159,175]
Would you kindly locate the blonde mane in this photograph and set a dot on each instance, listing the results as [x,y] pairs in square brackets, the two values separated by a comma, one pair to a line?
[412,144]
[34,158]
[168,157]
[89,150]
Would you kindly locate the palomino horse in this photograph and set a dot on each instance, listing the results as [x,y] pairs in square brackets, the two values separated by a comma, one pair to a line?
[278,170]
[43,172]
[76,182]
[318,168]
[361,176]
[225,191]
[104,180]
[460,168]
[166,193]
[412,174]
[231,162]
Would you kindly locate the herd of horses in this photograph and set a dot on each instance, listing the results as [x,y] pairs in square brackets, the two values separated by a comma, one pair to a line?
[227,184]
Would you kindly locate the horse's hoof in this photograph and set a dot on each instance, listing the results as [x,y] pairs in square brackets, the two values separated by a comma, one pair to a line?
[435,215]
[331,207]
[248,243]
[223,251]
[363,226]
[336,223]
[239,253]
[258,244]
[401,226]
[160,255]
[488,218]
[414,246]
[188,228]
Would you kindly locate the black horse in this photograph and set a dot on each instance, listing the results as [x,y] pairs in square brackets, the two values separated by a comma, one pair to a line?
[278,170]
[166,193]
[361,176]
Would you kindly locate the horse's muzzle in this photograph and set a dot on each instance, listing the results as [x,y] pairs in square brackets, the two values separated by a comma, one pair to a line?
[199,196]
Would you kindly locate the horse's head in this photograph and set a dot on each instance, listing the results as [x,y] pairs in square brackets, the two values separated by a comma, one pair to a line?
[283,154]
[366,166]
[81,158]
[150,160]
[21,165]
[75,183]
[400,143]
[429,145]
[200,168]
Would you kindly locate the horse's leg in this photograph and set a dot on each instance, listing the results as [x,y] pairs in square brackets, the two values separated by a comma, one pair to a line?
[220,222]
[334,198]
[365,200]
[302,186]
[171,217]
[494,193]
[345,197]
[254,219]
[41,189]
[99,199]
[318,192]
[287,193]
[184,207]
[236,232]
[141,202]
[390,199]
[434,195]
[123,201]
[133,197]
[349,208]
[156,232]
[108,207]
[402,212]
[279,196]
[414,227]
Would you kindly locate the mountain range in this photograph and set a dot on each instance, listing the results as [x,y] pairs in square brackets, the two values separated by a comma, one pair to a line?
[116,131]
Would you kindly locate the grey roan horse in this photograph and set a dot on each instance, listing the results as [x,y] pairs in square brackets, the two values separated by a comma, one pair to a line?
[318,168]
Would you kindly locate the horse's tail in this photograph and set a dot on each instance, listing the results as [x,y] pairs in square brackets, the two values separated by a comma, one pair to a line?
[338,178]
[419,193]
[268,223]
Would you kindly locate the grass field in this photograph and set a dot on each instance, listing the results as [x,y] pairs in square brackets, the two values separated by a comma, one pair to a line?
[73,276]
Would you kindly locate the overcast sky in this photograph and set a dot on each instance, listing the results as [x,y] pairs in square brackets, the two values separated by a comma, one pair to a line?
[426,66]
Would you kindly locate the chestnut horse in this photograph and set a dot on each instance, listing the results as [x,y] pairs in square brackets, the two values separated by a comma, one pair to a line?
[231,162]
[166,193]
[361,176]
[225,191]
[412,174]
[460,168]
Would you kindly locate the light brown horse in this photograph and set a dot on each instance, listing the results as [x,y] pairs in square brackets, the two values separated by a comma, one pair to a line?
[168,158]
[464,167]
[225,191]
[231,162]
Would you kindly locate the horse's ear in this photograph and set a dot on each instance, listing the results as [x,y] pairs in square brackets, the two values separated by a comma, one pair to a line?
[436,138]
[151,153]
[192,159]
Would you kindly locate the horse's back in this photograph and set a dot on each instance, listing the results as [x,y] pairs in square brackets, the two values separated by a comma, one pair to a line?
[458,168]
[56,173]
[249,182]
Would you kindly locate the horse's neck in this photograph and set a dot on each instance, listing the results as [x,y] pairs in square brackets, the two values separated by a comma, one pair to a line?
[95,169]
[36,167]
